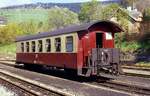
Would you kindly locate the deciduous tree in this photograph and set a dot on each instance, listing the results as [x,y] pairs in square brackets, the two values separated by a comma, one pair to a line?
[61,17]
[90,11]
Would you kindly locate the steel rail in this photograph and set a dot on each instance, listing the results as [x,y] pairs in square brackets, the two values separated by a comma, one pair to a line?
[118,85]
[21,87]
[38,85]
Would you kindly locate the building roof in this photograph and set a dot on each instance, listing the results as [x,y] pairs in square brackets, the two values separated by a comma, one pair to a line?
[136,15]
[70,29]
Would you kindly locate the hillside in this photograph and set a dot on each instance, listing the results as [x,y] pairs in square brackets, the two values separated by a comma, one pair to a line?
[39,11]
[20,15]
[72,6]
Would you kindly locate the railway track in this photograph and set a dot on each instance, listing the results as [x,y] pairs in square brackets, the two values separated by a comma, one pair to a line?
[31,87]
[143,72]
[136,68]
[117,85]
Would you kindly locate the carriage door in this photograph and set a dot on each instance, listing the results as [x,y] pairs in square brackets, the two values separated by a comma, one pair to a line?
[87,44]
[95,56]
[99,40]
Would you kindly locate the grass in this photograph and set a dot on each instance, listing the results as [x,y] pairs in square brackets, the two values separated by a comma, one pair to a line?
[21,15]
[143,64]
[8,49]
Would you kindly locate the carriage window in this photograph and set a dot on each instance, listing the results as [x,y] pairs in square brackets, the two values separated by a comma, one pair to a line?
[33,46]
[27,46]
[58,44]
[69,44]
[40,46]
[48,45]
[22,47]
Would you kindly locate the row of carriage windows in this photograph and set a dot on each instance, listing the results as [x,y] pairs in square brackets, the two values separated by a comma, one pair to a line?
[57,42]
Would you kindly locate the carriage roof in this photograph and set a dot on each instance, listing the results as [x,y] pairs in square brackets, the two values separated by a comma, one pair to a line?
[71,29]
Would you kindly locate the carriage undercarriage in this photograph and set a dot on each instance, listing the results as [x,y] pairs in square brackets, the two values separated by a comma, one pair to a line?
[103,62]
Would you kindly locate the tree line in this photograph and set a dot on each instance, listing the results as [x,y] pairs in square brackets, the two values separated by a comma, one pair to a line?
[62,17]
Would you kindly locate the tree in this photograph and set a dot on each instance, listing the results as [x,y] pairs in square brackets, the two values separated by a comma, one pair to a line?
[95,11]
[113,10]
[147,13]
[61,17]
[110,11]
[9,32]
[90,11]
[142,5]
[129,2]
[29,27]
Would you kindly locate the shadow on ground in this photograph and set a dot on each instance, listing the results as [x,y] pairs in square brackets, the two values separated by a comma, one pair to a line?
[62,74]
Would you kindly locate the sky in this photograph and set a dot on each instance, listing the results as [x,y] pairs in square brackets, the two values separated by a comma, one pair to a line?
[4,3]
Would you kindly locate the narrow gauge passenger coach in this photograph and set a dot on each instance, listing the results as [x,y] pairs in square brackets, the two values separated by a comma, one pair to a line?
[88,49]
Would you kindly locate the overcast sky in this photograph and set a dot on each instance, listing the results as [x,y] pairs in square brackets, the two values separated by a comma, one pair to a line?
[4,3]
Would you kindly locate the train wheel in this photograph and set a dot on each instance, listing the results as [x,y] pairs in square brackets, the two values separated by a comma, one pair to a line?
[115,69]
[120,69]
[18,64]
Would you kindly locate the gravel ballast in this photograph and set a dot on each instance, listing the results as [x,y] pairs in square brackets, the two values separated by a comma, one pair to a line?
[5,92]
[7,89]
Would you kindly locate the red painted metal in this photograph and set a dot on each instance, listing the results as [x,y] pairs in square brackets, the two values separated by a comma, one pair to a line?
[87,41]
[108,43]
[63,60]
[80,50]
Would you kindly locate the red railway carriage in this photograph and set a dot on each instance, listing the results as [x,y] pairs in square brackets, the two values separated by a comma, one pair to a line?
[88,48]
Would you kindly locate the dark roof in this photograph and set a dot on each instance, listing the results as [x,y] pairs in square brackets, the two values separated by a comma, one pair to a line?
[135,15]
[71,29]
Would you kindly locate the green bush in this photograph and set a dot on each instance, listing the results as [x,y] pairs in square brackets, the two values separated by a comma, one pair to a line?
[124,45]
[130,46]
[8,49]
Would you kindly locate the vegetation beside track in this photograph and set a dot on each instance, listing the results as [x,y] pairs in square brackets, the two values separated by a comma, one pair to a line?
[8,49]
[143,64]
